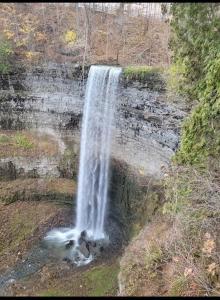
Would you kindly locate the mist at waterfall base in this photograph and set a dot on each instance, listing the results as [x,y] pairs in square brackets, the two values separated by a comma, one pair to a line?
[98,115]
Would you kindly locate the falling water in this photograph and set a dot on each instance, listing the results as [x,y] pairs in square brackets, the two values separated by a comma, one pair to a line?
[92,191]
[95,149]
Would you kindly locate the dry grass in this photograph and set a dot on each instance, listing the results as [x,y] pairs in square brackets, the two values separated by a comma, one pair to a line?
[178,252]
[25,143]
[193,208]
[32,189]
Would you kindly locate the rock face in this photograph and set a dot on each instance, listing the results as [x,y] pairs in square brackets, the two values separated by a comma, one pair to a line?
[51,98]
[49,101]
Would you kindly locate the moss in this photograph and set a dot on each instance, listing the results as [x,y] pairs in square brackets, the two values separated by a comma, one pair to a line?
[102,280]
[20,221]
[99,280]
[4,139]
[139,72]
[23,226]
[151,78]
[134,199]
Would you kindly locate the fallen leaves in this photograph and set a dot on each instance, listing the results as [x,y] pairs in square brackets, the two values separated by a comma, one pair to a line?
[208,247]
[212,269]
[188,272]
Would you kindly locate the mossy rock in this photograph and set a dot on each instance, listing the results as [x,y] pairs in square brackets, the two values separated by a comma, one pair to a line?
[134,199]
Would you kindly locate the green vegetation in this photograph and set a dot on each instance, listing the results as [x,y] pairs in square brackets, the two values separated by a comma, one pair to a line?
[195,41]
[153,257]
[102,280]
[96,281]
[201,131]
[22,226]
[178,285]
[19,139]
[191,189]
[22,141]
[139,72]
[5,54]
[4,139]
[192,207]
[196,59]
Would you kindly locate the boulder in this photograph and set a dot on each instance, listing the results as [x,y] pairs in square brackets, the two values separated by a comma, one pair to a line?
[70,244]
[84,249]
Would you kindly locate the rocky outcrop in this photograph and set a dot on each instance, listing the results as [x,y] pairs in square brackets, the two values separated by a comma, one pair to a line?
[146,127]
[60,191]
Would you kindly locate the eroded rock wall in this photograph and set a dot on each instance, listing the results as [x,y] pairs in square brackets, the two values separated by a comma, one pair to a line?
[50,99]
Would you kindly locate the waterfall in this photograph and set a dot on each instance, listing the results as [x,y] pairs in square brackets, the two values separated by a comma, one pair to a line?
[95,149]
[92,194]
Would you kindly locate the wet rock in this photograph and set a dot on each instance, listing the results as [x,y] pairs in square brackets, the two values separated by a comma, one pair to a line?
[19,256]
[67,259]
[83,234]
[11,281]
[77,258]
[74,121]
[93,244]
[65,266]
[84,249]
[70,244]
[83,237]
[8,171]
[96,247]
[152,118]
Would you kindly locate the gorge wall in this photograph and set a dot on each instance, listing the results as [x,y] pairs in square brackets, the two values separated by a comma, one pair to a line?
[47,104]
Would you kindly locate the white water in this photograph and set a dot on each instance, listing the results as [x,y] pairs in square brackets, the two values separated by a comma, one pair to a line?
[98,116]
[95,149]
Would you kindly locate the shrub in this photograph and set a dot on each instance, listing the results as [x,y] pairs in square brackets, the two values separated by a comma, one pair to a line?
[139,72]
[153,257]
[70,37]
[5,54]
[195,44]
[193,209]
[22,141]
